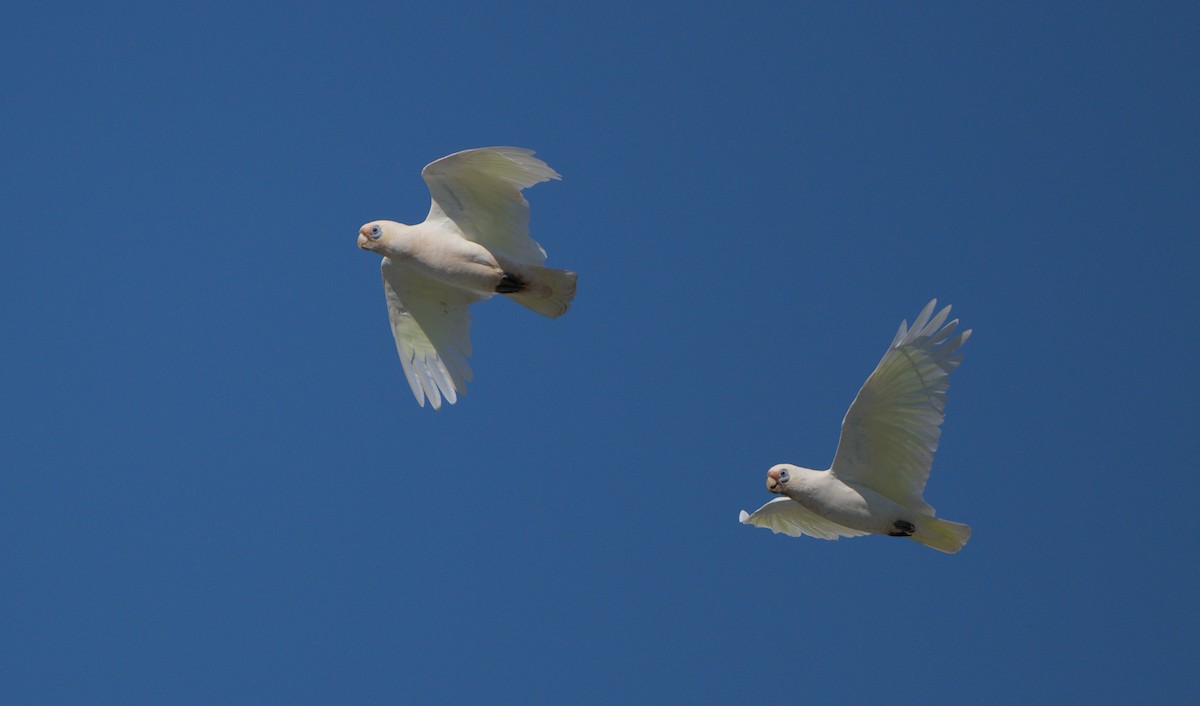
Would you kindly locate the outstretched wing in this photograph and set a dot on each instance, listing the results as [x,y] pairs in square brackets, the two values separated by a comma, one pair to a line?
[791,518]
[480,191]
[432,328]
[892,428]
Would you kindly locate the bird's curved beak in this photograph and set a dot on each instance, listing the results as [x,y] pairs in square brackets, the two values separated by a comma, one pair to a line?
[363,240]
[773,481]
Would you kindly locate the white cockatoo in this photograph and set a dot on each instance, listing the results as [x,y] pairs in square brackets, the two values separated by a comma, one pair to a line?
[889,435]
[474,243]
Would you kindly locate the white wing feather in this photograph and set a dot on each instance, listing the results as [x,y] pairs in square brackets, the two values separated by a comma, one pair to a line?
[784,515]
[432,328]
[480,191]
[891,431]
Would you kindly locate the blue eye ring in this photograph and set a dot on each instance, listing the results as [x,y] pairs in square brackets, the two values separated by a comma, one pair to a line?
[376,231]
[783,476]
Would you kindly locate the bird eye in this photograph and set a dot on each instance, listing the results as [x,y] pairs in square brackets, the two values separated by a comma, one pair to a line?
[376,231]
[783,476]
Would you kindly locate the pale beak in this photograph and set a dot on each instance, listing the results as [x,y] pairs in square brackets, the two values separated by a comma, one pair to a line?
[362,241]
[773,481]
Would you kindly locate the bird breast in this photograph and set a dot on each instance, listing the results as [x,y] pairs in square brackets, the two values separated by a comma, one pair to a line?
[856,508]
[449,259]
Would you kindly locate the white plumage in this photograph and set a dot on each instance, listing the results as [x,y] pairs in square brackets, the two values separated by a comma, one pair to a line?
[889,436]
[474,243]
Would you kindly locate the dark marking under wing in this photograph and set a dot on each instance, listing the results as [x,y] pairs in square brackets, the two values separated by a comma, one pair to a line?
[509,284]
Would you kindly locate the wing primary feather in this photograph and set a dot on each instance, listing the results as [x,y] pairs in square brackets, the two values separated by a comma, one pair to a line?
[414,380]
[933,325]
[923,317]
[943,333]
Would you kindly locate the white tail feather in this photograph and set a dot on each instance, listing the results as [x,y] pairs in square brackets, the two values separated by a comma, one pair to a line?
[548,292]
[942,535]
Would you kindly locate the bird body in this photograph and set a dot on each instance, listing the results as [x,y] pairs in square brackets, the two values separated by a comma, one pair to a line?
[857,508]
[473,244]
[889,436]
[440,253]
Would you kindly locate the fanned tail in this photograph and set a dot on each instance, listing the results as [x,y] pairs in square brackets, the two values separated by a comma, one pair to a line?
[547,291]
[942,535]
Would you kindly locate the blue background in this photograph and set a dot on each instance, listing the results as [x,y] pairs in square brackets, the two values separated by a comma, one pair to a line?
[217,487]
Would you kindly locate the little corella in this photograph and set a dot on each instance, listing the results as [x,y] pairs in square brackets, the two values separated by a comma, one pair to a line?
[889,435]
[474,243]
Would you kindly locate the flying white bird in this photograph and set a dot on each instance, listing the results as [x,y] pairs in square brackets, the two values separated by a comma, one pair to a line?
[889,435]
[474,243]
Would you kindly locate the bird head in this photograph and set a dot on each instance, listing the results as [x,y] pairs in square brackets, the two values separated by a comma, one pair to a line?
[778,477]
[376,233]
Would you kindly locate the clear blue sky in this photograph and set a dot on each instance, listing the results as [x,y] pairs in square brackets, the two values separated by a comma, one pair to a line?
[217,488]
